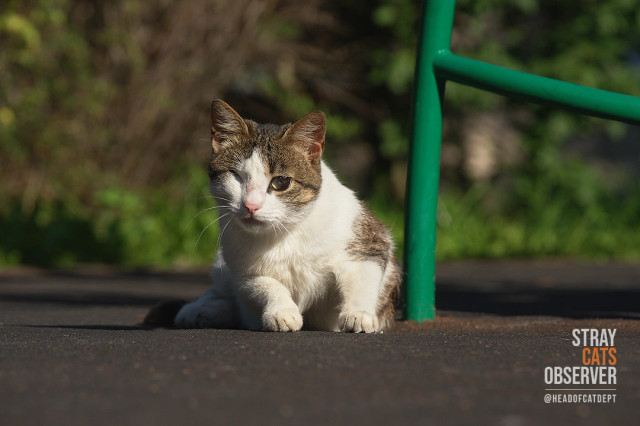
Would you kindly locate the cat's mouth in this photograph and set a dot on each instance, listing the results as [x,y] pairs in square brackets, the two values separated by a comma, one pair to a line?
[252,221]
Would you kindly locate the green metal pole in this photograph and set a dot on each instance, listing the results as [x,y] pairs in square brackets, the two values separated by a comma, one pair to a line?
[541,90]
[434,66]
[424,163]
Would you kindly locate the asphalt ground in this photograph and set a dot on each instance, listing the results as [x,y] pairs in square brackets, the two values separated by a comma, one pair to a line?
[73,351]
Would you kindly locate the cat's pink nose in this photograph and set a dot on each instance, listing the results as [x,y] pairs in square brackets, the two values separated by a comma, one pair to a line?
[252,207]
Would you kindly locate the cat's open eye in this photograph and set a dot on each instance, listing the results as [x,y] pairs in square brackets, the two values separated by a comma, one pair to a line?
[280,183]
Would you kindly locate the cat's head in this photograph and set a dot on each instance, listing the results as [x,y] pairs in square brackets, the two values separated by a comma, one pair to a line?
[265,176]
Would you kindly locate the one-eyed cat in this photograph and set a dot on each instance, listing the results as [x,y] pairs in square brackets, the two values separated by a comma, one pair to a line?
[297,248]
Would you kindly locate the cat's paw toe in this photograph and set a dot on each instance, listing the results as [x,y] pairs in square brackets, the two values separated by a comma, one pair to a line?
[359,322]
[282,320]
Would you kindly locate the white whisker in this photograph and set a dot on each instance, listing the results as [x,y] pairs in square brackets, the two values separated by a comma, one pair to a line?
[222,231]
[216,197]
[196,216]
[280,224]
[275,228]
[205,228]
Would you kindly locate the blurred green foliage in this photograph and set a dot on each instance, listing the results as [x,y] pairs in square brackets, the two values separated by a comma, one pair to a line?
[103,120]
[130,228]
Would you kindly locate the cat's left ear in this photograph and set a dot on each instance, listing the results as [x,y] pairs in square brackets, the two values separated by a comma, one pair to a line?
[308,134]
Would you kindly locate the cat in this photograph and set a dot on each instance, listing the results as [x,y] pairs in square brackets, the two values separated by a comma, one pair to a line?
[297,248]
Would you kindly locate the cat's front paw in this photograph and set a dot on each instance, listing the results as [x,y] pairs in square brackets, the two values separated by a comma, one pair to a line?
[358,322]
[282,320]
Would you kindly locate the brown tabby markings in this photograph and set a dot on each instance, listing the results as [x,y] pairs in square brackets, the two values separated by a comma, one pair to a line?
[279,156]
[390,295]
[372,241]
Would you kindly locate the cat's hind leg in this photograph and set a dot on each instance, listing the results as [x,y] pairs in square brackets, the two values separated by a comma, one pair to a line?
[210,310]
[360,284]
[214,309]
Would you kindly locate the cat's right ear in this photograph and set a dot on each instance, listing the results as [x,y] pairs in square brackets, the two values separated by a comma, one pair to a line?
[226,124]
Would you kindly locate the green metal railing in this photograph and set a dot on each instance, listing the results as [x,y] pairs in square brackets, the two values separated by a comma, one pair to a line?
[434,66]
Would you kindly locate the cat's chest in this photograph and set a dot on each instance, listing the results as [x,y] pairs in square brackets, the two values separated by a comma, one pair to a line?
[294,263]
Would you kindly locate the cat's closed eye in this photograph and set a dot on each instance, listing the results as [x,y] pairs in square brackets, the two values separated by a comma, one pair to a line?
[280,183]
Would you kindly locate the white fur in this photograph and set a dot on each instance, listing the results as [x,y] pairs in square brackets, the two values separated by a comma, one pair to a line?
[288,268]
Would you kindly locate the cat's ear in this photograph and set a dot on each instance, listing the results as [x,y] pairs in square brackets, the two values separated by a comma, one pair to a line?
[308,134]
[226,124]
